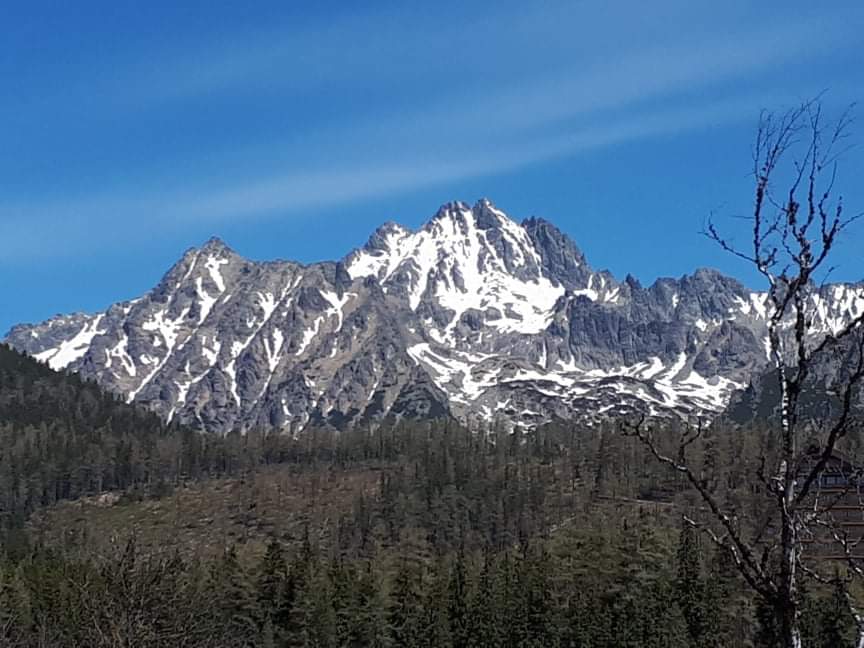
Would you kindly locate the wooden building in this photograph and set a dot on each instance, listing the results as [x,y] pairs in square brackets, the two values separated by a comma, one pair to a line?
[836,507]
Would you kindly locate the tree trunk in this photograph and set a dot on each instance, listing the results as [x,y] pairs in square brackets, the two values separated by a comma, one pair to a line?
[790,634]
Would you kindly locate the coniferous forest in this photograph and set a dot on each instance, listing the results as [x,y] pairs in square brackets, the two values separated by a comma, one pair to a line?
[431,325]
[415,534]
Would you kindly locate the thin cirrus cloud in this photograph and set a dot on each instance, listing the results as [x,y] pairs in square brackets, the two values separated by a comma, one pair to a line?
[379,48]
[597,94]
[598,57]
[94,221]
[373,48]
[608,86]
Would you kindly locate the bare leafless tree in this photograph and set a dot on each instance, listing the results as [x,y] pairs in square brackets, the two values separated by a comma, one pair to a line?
[793,235]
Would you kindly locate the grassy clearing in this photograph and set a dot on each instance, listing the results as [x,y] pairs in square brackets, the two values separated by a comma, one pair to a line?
[201,518]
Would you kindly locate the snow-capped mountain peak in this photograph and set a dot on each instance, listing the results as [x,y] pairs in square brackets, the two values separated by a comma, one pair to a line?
[473,315]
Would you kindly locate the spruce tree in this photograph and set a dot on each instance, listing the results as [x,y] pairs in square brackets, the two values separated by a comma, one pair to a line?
[536,582]
[370,625]
[484,608]
[237,611]
[835,621]
[457,603]
[275,593]
[406,613]
[690,588]
[313,619]
[436,631]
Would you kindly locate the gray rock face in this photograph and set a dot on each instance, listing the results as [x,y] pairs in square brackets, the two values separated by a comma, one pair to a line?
[473,316]
[823,395]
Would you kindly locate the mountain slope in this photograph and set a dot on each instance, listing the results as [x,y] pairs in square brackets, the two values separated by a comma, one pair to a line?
[63,437]
[473,316]
[822,398]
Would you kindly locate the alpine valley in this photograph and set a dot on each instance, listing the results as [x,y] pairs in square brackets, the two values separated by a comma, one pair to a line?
[474,316]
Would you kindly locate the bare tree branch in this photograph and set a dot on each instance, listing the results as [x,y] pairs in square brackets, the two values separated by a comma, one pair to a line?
[792,239]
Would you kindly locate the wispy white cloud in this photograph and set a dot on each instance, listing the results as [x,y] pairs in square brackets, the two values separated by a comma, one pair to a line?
[595,80]
[94,221]
[377,47]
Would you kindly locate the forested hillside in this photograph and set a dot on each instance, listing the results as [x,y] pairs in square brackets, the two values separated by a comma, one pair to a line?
[424,534]
[62,437]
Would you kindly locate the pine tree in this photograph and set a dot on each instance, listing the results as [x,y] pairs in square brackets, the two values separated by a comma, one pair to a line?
[535,579]
[664,625]
[344,596]
[436,631]
[484,608]
[313,617]
[370,625]
[406,609]
[275,593]
[512,601]
[729,619]
[457,603]
[237,611]
[590,619]
[690,589]
[834,620]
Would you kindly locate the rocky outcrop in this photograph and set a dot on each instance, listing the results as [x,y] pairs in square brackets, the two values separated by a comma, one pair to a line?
[473,316]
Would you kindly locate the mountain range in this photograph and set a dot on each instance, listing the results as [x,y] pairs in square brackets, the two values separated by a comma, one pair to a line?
[474,316]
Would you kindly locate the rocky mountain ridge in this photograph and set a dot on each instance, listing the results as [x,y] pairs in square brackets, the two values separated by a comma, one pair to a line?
[473,315]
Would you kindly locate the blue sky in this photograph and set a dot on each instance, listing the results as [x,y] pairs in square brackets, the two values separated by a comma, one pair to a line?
[131,131]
